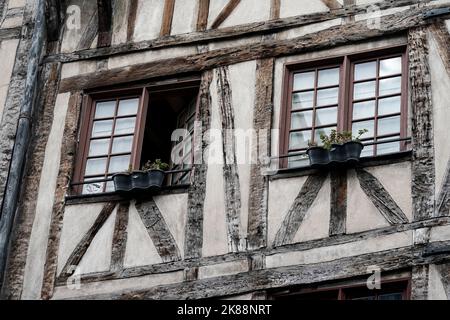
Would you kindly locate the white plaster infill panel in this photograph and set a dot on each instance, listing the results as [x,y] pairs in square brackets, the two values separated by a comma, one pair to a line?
[326,254]
[223,269]
[8,50]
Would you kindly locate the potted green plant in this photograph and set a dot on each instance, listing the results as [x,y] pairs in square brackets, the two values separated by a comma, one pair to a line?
[150,177]
[338,147]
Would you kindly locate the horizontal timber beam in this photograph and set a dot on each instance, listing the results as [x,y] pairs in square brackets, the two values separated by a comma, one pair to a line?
[211,35]
[332,37]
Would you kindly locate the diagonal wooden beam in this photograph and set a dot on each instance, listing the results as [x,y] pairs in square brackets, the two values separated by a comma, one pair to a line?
[332,4]
[444,273]
[381,198]
[120,237]
[225,13]
[299,208]
[441,34]
[158,231]
[90,32]
[166,26]
[81,248]
[443,200]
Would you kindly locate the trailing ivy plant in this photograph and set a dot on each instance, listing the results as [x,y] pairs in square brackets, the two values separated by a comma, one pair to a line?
[338,138]
[155,165]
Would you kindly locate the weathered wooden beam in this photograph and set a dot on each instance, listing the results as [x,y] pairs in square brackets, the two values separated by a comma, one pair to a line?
[55,12]
[344,268]
[230,257]
[193,243]
[225,13]
[444,273]
[68,152]
[120,236]
[381,198]
[338,198]
[332,4]
[423,167]
[211,35]
[132,15]
[166,26]
[10,33]
[443,199]
[332,37]
[80,250]
[230,170]
[275,6]
[299,208]
[203,13]
[104,8]
[419,282]
[90,32]
[441,34]
[259,184]
[158,231]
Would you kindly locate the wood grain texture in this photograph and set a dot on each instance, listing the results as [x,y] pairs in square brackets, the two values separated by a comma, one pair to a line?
[441,34]
[225,13]
[197,191]
[120,236]
[203,13]
[105,12]
[443,199]
[259,184]
[423,167]
[419,283]
[338,205]
[444,273]
[89,32]
[299,208]
[233,205]
[381,198]
[275,6]
[332,37]
[166,26]
[132,15]
[158,231]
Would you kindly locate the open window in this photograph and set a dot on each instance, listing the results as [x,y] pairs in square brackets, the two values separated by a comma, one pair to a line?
[123,129]
[350,93]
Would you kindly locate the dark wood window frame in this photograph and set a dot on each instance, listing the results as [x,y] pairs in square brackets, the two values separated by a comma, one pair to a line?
[92,97]
[345,107]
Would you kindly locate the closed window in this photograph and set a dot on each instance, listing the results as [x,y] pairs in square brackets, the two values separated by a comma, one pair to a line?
[351,93]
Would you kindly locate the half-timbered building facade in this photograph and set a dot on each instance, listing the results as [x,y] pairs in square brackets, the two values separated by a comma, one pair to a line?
[230,94]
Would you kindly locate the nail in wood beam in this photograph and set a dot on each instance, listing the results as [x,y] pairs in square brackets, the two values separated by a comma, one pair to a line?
[225,13]
[203,13]
[423,168]
[120,236]
[166,26]
[81,248]
[158,231]
[193,243]
[381,198]
[298,210]
[230,169]
[338,213]
[259,184]
[332,4]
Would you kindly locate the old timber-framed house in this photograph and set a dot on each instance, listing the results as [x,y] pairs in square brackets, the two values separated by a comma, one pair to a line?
[93,88]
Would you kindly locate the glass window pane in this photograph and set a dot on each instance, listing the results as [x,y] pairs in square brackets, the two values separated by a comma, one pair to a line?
[93,188]
[99,147]
[119,164]
[102,128]
[390,86]
[298,161]
[319,132]
[110,186]
[369,125]
[105,109]
[327,97]
[364,110]
[301,120]
[368,151]
[387,148]
[95,167]
[364,90]
[328,77]
[326,116]
[128,107]
[299,140]
[388,126]
[125,126]
[390,67]
[122,145]
[304,80]
[389,105]
[304,100]
[367,70]
[390,296]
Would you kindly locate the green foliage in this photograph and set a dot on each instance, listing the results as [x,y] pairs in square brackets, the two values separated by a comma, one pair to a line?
[155,165]
[338,138]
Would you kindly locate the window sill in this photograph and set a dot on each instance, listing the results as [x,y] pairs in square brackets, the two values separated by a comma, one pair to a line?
[114,196]
[364,163]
